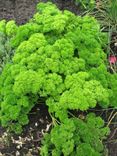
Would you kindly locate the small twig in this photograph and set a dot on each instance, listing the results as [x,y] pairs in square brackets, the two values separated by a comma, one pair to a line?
[33,113]
[112,119]
[102,109]
[113,134]
[112,69]
[112,123]
[72,115]
[112,141]
[54,120]
[110,115]
[37,140]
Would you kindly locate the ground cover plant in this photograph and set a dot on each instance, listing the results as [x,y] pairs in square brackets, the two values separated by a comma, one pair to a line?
[7,29]
[106,13]
[76,137]
[86,4]
[59,57]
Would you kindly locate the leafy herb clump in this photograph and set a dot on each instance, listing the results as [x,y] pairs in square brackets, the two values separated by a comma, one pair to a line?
[58,56]
[76,137]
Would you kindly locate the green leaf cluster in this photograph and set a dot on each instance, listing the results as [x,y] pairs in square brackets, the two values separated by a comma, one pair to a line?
[7,30]
[76,137]
[58,57]
[81,93]
[86,4]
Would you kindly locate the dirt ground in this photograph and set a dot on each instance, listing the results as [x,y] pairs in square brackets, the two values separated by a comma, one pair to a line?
[22,10]
[29,142]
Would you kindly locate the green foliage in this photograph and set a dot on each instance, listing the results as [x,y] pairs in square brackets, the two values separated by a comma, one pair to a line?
[112,79]
[2,26]
[112,11]
[58,56]
[86,4]
[106,13]
[80,93]
[76,137]
[7,30]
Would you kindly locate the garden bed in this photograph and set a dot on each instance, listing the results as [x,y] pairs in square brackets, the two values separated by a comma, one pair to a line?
[28,143]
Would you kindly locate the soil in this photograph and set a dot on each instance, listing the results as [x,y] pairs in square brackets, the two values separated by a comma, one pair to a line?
[22,10]
[28,143]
